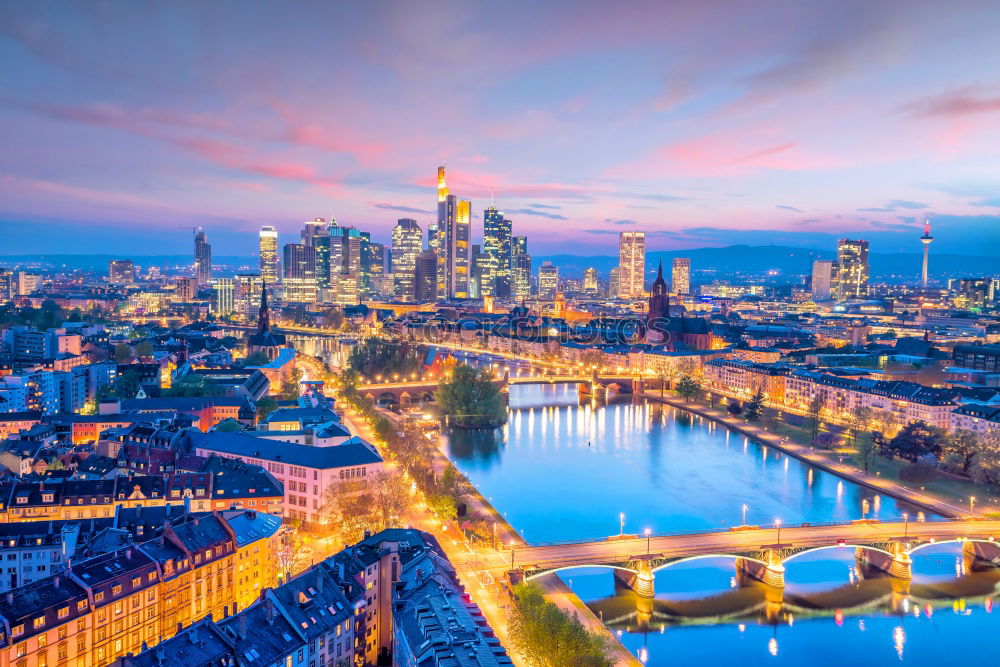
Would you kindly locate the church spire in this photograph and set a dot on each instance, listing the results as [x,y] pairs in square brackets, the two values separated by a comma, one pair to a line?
[264,315]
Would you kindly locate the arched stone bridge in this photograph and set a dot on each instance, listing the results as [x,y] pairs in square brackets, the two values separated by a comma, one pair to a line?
[760,554]
[406,393]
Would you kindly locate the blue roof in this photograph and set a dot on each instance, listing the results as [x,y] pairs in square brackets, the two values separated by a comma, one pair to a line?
[351,452]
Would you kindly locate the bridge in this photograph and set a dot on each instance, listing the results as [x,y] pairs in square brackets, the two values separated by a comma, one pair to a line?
[405,392]
[760,554]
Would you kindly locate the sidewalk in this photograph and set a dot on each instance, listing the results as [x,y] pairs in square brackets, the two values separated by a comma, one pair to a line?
[823,459]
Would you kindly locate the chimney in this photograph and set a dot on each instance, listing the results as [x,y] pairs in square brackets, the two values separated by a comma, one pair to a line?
[10,598]
[269,611]
[243,626]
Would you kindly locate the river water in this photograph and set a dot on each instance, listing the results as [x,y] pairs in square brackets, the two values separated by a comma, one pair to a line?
[562,470]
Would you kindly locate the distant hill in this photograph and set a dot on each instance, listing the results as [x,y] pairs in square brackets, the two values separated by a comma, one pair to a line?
[787,260]
[729,260]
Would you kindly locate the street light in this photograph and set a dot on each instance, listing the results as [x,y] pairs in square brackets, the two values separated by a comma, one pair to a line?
[777,523]
[745,508]
[647,541]
[906,524]
[621,523]
[972,504]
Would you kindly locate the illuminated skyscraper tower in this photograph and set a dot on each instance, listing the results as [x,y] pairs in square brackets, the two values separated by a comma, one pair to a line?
[926,240]
[852,269]
[453,248]
[269,255]
[631,264]
[202,258]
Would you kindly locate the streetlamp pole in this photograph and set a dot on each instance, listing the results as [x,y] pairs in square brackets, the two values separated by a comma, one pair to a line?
[647,541]
[512,555]
[777,523]
[972,504]
[906,524]
[744,515]
[621,523]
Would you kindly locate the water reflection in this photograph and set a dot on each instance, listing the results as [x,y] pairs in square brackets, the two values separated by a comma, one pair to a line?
[564,470]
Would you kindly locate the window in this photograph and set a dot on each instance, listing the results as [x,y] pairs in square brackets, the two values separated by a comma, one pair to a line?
[17,631]
[99,596]
[63,612]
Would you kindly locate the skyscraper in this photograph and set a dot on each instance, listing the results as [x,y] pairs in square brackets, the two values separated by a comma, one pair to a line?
[425,277]
[852,269]
[522,276]
[499,254]
[316,236]
[345,263]
[631,264]
[926,241]
[590,279]
[299,273]
[614,284]
[548,280]
[453,242]
[269,255]
[225,296]
[407,243]
[680,275]
[822,279]
[372,264]
[202,258]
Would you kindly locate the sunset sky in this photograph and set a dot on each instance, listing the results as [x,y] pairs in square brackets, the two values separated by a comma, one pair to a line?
[703,123]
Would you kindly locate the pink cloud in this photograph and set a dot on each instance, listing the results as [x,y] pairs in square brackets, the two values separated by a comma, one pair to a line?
[961,102]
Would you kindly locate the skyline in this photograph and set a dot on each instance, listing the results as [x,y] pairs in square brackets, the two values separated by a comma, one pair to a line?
[585,124]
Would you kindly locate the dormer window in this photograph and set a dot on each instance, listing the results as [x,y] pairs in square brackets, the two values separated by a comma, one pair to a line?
[47,497]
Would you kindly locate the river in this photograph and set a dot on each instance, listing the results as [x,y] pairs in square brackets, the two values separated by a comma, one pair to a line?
[561,470]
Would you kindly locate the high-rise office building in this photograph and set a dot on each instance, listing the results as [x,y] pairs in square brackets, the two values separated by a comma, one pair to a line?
[680,275]
[7,284]
[454,235]
[407,243]
[28,283]
[822,279]
[614,285]
[345,263]
[497,247]
[522,275]
[316,236]
[631,264]
[548,280]
[298,278]
[225,296]
[202,258]
[979,293]
[268,255]
[372,255]
[590,279]
[121,271]
[425,277]
[247,297]
[852,269]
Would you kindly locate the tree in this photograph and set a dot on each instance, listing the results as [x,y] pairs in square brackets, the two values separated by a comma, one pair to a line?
[815,410]
[985,468]
[754,406]
[857,423]
[258,358]
[229,425]
[665,373]
[123,353]
[471,398]
[734,408]
[594,357]
[127,384]
[868,450]
[290,388]
[688,388]
[265,406]
[915,440]
[144,350]
[549,637]
[960,449]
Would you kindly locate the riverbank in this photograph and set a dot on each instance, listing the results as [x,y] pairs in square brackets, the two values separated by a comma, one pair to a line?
[823,459]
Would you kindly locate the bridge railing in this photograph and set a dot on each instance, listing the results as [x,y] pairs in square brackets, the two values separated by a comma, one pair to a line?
[688,533]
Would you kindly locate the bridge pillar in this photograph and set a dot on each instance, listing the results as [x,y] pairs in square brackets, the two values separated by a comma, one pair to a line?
[897,564]
[770,573]
[980,556]
[640,582]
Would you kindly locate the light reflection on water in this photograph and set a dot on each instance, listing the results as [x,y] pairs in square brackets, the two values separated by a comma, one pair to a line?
[561,471]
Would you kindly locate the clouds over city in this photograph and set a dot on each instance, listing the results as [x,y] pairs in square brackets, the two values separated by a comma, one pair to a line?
[789,121]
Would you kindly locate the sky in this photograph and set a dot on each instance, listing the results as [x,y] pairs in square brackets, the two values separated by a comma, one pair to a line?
[703,123]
